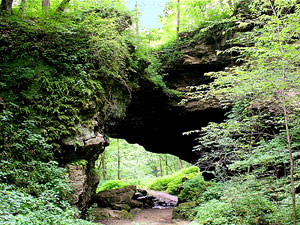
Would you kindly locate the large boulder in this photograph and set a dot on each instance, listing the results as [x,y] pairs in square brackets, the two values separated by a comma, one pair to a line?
[185,211]
[125,198]
[114,197]
[106,214]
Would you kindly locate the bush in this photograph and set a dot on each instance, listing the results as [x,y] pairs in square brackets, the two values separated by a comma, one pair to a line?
[18,207]
[111,184]
[216,212]
[160,184]
[193,189]
[246,202]
[172,182]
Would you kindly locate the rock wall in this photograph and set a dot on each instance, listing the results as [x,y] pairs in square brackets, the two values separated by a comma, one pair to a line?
[154,117]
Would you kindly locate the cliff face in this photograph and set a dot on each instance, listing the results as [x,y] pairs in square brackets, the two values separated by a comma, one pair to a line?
[87,88]
[155,118]
[151,116]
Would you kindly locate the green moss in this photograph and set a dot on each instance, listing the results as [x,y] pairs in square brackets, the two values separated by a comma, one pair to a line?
[126,215]
[172,182]
[62,77]
[185,211]
[111,184]
[81,163]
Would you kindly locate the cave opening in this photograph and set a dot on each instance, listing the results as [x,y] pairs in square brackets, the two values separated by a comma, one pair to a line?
[133,164]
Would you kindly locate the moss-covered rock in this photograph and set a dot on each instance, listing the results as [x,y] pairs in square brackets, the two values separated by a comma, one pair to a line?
[106,214]
[185,211]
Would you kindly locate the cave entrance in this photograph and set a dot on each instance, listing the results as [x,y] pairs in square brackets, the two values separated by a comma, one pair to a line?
[132,164]
[128,168]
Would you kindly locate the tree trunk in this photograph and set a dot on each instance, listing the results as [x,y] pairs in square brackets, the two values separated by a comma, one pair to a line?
[229,2]
[6,5]
[178,19]
[286,119]
[160,167]
[23,8]
[291,163]
[137,19]
[180,163]
[62,6]
[103,166]
[46,6]
[119,161]
[166,162]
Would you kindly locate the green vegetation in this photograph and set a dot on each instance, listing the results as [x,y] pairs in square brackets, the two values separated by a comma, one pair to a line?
[136,165]
[111,184]
[60,68]
[260,136]
[246,201]
[172,182]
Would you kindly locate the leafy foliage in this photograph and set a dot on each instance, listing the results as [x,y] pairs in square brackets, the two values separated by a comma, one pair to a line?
[137,165]
[193,189]
[57,71]
[193,14]
[111,184]
[172,182]
[248,201]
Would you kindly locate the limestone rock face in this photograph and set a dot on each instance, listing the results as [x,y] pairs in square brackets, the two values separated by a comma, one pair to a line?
[155,118]
[82,179]
[83,184]
[77,178]
[87,136]
[152,116]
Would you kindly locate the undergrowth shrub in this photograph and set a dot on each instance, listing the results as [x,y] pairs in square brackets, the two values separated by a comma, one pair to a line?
[245,201]
[216,212]
[111,184]
[21,208]
[193,189]
[172,182]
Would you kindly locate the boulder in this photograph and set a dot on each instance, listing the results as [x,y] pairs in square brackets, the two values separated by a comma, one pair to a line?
[112,198]
[184,211]
[106,214]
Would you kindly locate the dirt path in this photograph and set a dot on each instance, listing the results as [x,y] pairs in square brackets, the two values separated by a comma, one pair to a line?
[159,215]
[149,217]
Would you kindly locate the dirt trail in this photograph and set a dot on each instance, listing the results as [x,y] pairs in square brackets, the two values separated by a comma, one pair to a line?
[156,216]
[149,217]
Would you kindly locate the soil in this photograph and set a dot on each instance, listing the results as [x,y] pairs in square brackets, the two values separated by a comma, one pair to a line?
[149,217]
[155,216]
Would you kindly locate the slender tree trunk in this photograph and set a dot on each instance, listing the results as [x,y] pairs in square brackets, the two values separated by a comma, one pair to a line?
[62,6]
[160,167]
[119,161]
[23,8]
[229,2]
[166,162]
[180,163]
[178,19]
[291,163]
[103,165]
[286,119]
[46,6]
[6,5]
[137,19]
